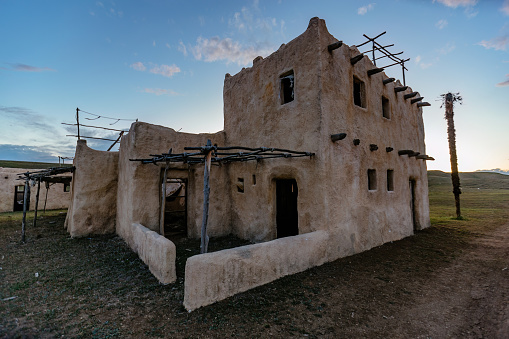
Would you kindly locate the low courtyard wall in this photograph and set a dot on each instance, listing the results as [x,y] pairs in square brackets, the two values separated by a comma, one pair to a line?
[215,276]
[157,252]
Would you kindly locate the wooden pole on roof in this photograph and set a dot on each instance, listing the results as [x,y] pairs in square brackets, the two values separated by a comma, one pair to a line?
[78,121]
[37,201]
[25,199]
[206,193]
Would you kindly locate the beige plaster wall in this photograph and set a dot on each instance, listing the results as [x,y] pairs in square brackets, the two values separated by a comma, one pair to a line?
[156,251]
[94,192]
[215,276]
[139,184]
[333,189]
[57,198]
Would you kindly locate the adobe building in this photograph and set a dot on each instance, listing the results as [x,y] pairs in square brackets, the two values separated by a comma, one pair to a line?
[56,195]
[364,185]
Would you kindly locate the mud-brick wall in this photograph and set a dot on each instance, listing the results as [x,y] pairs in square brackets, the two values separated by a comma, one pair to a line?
[94,192]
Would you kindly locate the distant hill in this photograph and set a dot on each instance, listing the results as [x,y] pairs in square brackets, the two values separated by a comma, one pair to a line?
[483,180]
[29,165]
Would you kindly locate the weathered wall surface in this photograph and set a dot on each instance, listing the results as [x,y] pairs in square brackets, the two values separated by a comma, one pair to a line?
[57,197]
[94,192]
[215,276]
[333,185]
[156,251]
[139,191]
[255,117]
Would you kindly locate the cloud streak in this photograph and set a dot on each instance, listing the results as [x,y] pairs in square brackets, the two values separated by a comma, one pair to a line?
[441,24]
[364,9]
[505,7]
[28,68]
[160,91]
[499,43]
[216,49]
[504,83]
[164,70]
[457,3]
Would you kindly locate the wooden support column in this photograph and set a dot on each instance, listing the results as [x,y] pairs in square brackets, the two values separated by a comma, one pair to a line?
[37,201]
[46,199]
[26,196]
[163,198]
[206,194]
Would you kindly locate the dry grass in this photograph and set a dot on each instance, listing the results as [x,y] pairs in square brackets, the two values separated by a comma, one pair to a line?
[98,288]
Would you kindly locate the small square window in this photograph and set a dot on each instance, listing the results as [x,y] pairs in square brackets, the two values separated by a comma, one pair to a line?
[67,187]
[287,81]
[240,185]
[371,179]
[359,92]
[254,179]
[386,108]
[390,180]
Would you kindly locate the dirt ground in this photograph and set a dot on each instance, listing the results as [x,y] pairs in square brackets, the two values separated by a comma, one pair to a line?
[448,281]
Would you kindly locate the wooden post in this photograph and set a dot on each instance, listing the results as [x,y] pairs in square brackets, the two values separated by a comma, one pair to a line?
[37,201]
[25,198]
[78,121]
[46,200]
[163,199]
[206,193]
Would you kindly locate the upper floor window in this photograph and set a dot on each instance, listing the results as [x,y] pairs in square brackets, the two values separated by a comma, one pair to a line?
[371,179]
[359,92]
[390,180]
[386,108]
[287,81]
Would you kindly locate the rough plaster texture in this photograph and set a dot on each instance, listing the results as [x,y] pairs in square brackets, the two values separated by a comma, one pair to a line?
[94,192]
[215,276]
[57,198]
[139,198]
[156,251]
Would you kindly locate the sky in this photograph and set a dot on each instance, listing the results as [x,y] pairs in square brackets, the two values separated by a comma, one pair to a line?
[164,62]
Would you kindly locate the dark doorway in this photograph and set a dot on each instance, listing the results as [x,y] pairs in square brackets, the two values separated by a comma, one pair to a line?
[175,208]
[412,204]
[19,192]
[287,219]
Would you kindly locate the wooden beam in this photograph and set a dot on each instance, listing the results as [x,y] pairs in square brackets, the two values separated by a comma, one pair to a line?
[339,136]
[356,59]
[373,147]
[413,101]
[206,195]
[374,71]
[334,46]
[400,89]
[389,149]
[388,80]
[37,201]
[422,104]
[410,95]
[405,151]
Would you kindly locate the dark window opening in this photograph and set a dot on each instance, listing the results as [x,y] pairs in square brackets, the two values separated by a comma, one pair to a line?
[287,87]
[359,94]
[386,108]
[390,180]
[19,195]
[67,187]
[240,185]
[175,209]
[254,179]
[287,218]
[371,179]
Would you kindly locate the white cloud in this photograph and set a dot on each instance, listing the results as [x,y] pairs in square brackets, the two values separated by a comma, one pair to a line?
[165,70]
[505,7]
[499,43]
[168,45]
[422,65]
[154,43]
[182,48]
[160,91]
[417,59]
[215,49]
[457,3]
[504,83]
[202,20]
[441,24]
[447,48]
[27,68]
[364,9]
[244,21]
[139,66]
[100,4]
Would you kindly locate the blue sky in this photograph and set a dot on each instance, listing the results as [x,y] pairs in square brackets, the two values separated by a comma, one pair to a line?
[164,62]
